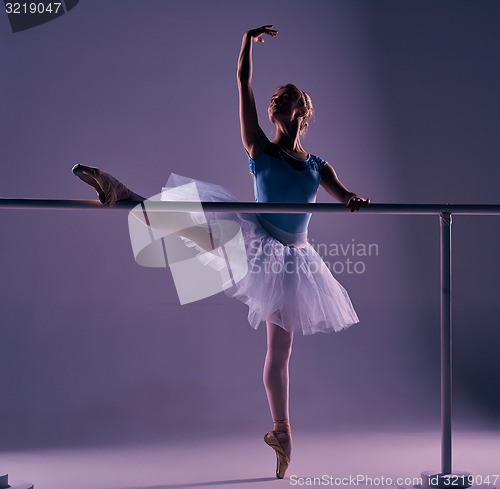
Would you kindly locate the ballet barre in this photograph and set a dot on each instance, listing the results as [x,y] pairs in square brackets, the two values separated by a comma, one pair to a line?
[260,207]
[445,477]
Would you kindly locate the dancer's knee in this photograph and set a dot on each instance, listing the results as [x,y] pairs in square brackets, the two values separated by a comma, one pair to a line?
[279,352]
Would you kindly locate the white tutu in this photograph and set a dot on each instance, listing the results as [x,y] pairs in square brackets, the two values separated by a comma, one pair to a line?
[285,279]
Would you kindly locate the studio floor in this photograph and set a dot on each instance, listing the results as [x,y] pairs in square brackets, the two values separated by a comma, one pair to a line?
[363,460]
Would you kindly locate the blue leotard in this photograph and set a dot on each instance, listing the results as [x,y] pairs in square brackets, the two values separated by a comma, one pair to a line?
[278,177]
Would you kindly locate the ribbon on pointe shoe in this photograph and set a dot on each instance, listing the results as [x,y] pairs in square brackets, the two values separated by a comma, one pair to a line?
[282,459]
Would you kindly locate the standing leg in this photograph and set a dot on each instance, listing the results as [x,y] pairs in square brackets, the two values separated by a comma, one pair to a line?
[279,349]
[276,382]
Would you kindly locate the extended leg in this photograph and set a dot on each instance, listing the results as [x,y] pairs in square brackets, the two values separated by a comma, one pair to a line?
[110,190]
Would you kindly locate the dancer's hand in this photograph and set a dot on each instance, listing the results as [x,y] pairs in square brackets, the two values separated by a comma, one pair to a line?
[356,202]
[257,34]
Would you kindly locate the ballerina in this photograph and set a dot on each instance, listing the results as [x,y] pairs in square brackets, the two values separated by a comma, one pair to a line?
[300,293]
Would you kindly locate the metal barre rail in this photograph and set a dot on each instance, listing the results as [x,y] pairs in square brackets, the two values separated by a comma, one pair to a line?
[261,207]
[444,211]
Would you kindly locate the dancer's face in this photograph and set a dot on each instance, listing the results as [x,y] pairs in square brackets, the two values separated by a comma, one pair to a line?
[284,106]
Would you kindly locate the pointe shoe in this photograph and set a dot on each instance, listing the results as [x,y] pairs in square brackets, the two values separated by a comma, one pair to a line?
[109,189]
[282,459]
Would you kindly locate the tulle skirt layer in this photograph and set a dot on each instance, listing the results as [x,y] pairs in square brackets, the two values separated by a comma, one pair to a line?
[281,279]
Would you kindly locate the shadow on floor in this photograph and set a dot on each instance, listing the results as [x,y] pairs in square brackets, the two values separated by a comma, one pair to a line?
[207,484]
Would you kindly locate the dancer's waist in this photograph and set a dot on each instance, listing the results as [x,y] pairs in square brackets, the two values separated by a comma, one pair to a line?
[289,239]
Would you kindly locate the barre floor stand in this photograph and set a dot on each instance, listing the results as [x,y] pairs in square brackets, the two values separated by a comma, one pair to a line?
[4,483]
[446,478]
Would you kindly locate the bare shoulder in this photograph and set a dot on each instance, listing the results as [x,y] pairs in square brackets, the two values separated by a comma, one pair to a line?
[329,179]
[327,172]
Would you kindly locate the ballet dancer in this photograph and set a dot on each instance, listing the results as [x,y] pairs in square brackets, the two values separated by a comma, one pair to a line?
[303,297]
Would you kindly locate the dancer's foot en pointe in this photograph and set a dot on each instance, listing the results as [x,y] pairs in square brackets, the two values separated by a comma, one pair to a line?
[280,440]
[108,188]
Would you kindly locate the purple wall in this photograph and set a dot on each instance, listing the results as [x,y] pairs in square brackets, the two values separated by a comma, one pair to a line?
[94,347]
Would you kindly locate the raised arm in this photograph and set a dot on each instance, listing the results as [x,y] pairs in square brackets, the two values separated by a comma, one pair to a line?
[252,135]
[331,183]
